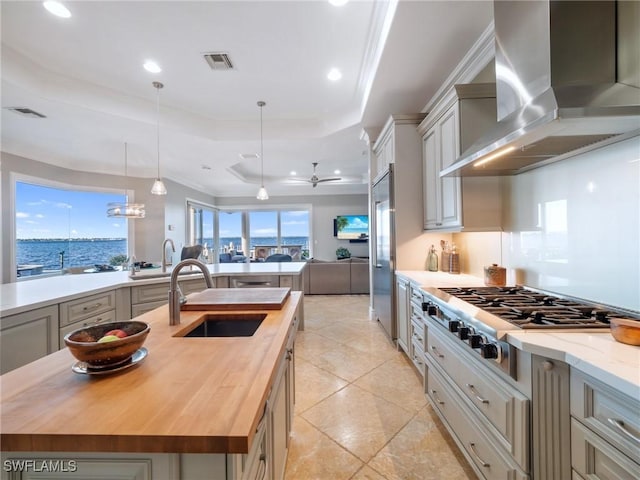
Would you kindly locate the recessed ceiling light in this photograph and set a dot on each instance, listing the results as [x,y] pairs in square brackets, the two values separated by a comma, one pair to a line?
[151,66]
[206,167]
[57,9]
[292,173]
[249,156]
[336,172]
[334,75]
[338,3]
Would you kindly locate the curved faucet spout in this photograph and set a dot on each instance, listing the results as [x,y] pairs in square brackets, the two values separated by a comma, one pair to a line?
[164,253]
[174,291]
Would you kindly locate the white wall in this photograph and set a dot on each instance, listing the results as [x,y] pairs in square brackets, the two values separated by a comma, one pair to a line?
[324,209]
[572,227]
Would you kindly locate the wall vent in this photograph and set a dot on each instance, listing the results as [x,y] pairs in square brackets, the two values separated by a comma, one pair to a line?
[27,112]
[218,61]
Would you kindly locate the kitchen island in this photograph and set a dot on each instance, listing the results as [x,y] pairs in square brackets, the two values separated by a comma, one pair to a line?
[195,404]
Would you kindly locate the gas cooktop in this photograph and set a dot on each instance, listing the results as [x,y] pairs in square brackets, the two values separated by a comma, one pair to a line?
[530,309]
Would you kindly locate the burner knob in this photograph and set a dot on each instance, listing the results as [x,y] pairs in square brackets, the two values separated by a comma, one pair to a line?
[476,341]
[429,308]
[453,325]
[489,350]
[463,332]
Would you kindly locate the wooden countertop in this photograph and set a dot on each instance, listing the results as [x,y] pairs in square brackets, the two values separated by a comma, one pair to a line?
[190,395]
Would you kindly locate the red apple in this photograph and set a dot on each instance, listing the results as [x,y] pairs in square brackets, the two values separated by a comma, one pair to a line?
[118,333]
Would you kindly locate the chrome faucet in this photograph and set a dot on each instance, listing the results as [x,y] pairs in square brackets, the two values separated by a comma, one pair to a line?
[175,295]
[164,253]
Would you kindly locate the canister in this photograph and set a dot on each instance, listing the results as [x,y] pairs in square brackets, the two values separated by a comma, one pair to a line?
[495,276]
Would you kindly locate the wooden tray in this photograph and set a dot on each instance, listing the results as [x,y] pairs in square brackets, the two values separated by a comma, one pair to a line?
[237,299]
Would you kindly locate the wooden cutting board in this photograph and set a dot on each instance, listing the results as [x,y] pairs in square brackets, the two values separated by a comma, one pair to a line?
[237,299]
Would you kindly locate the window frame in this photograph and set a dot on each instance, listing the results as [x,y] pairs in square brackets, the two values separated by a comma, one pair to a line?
[18,177]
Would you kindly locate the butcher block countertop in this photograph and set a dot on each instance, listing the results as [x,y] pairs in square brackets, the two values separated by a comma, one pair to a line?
[190,395]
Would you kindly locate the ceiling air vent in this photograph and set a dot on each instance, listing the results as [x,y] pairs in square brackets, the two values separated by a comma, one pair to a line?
[218,61]
[27,112]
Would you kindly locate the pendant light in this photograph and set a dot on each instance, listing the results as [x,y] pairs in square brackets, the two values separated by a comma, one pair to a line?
[158,186]
[125,209]
[262,192]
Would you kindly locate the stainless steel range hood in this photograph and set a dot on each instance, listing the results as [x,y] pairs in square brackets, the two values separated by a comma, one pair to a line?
[567,81]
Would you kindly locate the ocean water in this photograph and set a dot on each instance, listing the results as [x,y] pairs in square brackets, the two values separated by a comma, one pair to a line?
[55,254]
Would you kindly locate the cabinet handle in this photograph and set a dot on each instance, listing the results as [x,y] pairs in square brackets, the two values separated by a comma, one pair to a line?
[416,359]
[91,307]
[435,397]
[472,447]
[289,354]
[438,224]
[475,393]
[95,322]
[435,350]
[619,424]
[263,465]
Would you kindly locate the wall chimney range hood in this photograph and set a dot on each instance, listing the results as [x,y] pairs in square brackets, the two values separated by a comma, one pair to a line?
[567,81]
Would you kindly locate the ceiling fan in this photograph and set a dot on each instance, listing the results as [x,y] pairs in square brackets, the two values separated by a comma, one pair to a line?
[314,180]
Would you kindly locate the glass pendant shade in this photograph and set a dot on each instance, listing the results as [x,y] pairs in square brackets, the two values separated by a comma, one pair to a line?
[125,209]
[158,188]
[262,194]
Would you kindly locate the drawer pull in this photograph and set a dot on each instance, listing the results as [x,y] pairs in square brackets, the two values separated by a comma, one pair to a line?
[435,350]
[416,360]
[472,447]
[94,322]
[475,393]
[435,397]
[91,307]
[619,424]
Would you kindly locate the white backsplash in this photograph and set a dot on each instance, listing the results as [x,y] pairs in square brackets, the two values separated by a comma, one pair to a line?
[572,227]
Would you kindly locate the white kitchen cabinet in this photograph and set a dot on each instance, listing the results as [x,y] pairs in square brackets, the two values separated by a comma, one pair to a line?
[145,298]
[605,430]
[454,203]
[402,313]
[27,336]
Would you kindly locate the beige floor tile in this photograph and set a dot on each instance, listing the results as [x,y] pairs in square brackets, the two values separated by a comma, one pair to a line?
[310,345]
[358,420]
[395,380]
[314,456]
[367,473]
[347,362]
[313,385]
[421,451]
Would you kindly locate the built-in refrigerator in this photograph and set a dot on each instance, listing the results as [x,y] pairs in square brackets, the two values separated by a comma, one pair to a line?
[383,251]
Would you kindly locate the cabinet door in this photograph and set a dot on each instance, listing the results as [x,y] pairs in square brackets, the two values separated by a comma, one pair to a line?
[27,336]
[402,309]
[279,432]
[449,186]
[430,179]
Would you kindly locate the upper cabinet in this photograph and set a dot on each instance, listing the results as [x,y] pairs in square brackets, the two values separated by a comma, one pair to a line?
[454,203]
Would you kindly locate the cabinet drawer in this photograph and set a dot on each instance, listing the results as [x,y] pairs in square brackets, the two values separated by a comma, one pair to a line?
[440,353]
[594,458]
[286,281]
[105,317]
[190,286]
[76,310]
[150,293]
[140,308]
[609,413]
[418,334]
[506,409]
[479,448]
[248,281]
[416,295]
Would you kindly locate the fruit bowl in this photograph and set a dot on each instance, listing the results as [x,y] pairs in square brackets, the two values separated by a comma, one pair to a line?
[108,344]
[625,331]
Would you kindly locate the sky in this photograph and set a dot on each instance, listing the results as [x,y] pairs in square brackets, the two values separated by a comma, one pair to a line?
[44,212]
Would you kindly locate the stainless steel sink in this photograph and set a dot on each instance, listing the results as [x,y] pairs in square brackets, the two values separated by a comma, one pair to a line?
[225,325]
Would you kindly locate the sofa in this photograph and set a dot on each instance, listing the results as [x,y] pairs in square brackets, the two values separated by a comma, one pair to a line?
[349,276]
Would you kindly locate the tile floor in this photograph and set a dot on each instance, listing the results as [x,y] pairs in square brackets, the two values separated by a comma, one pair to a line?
[360,412]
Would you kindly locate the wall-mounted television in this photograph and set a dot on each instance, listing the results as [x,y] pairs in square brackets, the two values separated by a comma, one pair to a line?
[351,227]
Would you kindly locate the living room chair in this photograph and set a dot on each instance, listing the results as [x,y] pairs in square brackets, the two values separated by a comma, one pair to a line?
[278,257]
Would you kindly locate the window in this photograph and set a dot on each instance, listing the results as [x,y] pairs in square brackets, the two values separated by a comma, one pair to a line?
[251,234]
[60,229]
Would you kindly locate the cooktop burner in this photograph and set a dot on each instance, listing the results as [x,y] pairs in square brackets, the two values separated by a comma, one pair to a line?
[530,309]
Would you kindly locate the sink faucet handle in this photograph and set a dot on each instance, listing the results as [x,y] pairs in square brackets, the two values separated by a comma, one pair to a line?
[181,296]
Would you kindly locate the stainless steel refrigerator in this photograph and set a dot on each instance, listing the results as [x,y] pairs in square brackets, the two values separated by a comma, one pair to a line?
[383,261]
